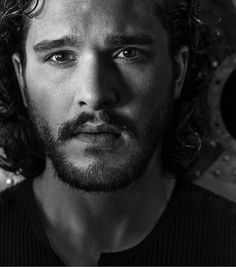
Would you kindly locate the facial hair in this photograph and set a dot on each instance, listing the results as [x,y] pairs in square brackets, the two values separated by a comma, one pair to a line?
[99,177]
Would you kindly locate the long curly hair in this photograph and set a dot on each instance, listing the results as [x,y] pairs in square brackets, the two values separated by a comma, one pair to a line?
[22,152]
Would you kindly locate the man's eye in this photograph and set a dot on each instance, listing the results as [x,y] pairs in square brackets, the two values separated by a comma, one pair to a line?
[61,57]
[130,53]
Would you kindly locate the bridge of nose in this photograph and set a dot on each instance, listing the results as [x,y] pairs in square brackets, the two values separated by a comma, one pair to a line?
[95,89]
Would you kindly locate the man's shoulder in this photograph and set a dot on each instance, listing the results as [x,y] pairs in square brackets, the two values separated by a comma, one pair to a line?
[14,199]
[198,227]
[202,211]
[206,199]
[22,238]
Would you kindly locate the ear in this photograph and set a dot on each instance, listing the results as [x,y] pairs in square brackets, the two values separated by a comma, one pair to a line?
[17,63]
[181,60]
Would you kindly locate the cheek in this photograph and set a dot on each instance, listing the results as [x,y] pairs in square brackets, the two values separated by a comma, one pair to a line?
[49,95]
[151,87]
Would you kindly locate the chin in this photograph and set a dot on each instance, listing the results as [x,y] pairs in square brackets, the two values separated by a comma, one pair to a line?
[88,156]
[99,171]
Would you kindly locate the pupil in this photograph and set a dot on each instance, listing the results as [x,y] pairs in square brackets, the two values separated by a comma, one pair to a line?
[59,57]
[129,53]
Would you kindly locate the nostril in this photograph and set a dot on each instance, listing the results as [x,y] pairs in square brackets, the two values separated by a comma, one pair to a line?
[96,98]
[82,103]
[96,103]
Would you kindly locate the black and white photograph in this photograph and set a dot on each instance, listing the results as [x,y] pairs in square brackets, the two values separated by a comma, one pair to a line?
[117,132]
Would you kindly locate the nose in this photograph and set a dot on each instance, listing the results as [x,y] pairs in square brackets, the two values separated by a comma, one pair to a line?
[95,86]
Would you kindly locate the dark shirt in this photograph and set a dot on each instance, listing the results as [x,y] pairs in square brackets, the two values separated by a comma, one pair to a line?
[197,228]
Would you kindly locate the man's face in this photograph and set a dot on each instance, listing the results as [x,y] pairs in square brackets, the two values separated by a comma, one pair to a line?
[99,84]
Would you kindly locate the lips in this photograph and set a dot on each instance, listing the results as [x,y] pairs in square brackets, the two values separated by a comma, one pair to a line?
[100,136]
[100,129]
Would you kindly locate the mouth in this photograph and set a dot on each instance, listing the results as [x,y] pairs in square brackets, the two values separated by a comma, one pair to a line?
[99,136]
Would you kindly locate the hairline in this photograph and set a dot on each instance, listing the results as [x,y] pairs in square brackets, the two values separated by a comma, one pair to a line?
[160,12]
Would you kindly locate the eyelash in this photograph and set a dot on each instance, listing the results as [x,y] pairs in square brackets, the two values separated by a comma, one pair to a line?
[141,53]
[64,53]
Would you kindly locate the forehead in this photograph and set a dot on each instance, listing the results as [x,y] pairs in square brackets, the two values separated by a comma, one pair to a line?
[85,17]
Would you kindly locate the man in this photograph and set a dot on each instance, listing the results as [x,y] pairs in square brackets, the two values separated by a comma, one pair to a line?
[99,82]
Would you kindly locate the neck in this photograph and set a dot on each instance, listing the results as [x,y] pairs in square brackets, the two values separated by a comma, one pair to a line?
[114,221]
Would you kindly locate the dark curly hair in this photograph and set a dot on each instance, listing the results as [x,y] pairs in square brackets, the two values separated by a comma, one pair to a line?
[22,152]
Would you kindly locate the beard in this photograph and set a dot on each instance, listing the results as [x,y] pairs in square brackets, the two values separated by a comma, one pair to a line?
[99,177]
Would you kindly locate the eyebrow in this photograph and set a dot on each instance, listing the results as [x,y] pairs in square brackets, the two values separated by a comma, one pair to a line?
[47,45]
[110,40]
[138,39]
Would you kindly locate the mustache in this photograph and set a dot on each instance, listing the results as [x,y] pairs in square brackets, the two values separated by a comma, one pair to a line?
[73,127]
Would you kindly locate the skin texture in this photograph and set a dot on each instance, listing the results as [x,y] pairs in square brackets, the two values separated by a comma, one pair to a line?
[94,75]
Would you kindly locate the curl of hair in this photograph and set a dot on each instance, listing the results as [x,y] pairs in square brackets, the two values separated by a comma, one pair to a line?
[23,152]
[190,123]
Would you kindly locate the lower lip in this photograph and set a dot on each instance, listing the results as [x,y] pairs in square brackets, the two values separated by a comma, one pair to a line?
[100,139]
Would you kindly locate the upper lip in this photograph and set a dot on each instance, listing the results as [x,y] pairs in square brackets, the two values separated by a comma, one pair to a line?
[99,129]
